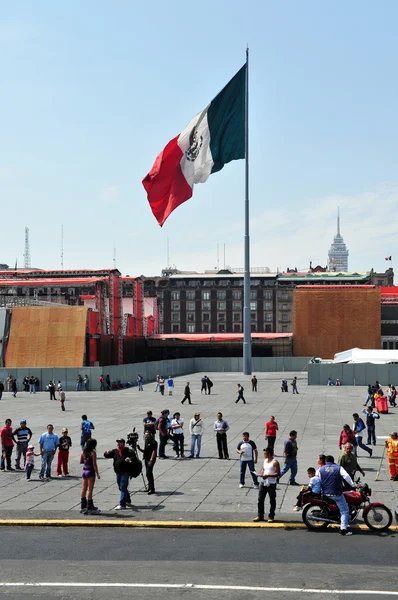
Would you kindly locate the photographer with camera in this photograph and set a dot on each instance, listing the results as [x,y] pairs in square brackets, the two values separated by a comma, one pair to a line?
[149,455]
[122,458]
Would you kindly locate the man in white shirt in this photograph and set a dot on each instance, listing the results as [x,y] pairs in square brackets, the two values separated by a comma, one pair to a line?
[177,425]
[196,430]
[248,452]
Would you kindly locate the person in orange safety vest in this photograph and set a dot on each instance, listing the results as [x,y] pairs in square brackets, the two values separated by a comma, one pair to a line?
[392,455]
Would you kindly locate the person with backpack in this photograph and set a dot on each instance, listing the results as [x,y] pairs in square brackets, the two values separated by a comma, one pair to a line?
[85,428]
[122,457]
[371,416]
[359,429]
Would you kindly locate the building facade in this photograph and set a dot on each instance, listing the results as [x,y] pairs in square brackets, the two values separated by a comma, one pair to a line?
[338,253]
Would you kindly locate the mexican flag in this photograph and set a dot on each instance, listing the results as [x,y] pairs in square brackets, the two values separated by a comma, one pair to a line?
[213,138]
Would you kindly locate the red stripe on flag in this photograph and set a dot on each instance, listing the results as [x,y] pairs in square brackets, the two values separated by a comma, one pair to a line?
[165,184]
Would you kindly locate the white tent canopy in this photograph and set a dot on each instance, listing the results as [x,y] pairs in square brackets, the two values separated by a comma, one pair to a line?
[358,355]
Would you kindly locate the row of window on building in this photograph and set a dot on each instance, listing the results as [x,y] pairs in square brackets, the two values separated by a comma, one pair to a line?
[222,328]
[222,294]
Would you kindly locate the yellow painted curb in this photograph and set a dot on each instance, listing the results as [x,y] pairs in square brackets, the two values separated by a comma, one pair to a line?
[158,524]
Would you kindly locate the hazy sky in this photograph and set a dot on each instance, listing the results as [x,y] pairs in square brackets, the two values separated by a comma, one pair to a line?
[90,92]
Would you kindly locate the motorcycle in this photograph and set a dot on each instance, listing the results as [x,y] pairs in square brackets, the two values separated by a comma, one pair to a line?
[321,511]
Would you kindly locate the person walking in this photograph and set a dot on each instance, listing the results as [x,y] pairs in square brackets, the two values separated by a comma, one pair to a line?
[65,443]
[331,476]
[49,443]
[346,435]
[157,383]
[290,457]
[88,459]
[161,385]
[271,427]
[62,399]
[108,383]
[370,395]
[163,429]
[121,456]
[393,396]
[86,428]
[294,385]
[209,385]
[7,444]
[392,455]
[359,429]
[14,388]
[1,388]
[21,437]
[139,380]
[371,416]
[149,455]
[177,425]
[240,394]
[187,394]
[196,431]
[203,383]
[221,427]
[248,453]
[170,385]
[349,462]
[254,383]
[268,477]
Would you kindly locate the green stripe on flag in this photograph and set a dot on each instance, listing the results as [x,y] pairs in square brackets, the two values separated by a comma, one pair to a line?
[226,120]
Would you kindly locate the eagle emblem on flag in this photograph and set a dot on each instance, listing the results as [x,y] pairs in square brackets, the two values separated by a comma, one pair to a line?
[195,144]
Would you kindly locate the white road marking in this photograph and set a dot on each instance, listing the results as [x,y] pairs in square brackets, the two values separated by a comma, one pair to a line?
[196,586]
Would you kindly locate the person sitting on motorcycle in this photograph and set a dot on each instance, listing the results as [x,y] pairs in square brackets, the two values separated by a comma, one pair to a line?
[312,489]
[349,461]
[332,476]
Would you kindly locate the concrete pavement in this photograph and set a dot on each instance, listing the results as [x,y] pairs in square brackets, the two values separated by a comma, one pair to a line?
[204,489]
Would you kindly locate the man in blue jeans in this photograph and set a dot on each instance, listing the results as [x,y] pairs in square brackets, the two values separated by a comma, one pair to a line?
[331,476]
[248,452]
[49,443]
[121,457]
[290,455]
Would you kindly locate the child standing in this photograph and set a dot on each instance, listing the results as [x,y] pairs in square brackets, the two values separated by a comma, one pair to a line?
[30,461]
[314,486]
[63,453]
[88,459]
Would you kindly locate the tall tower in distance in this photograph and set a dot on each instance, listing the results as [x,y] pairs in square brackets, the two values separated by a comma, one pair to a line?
[338,253]
[26,255]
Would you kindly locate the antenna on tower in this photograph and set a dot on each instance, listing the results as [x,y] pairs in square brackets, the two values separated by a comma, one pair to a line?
[62,247]
[338,220]
[26,256]
[114,257]
[218,257]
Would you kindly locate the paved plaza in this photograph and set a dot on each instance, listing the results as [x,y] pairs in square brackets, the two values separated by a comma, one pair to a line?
[190,489]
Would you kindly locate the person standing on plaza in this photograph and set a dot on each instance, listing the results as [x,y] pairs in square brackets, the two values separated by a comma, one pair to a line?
[86,383]
[294,385]
[290,457]
[209,385]
[254,383]
[79,383]
[221,427]
[149,423]
[157,383]
[88,459]
[122,456]
[177,426]
[102,383]
[149,455]
[161,385]
[51,389]
[21,436]
[371,416]
[163,429]
[49,443]
[196,431]
[240,394]
[86,428]
[108,383]
[348,461]
[248,452]
[187,394]
[203,383]
[268,478]
[271,427]
[7,445]
[140,380]
[170,385]
[14,388]
[63,453]
[62,399]
[392,455]
[1,388]
[359,429]
[393,396]
[30,461]
[9,383]
[32,389]
[346,435]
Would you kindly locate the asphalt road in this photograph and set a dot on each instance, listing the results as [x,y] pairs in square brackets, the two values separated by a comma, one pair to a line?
[69,561]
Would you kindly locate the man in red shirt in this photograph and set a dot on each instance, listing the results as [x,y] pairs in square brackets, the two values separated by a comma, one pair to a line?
[7,445]
[271,427]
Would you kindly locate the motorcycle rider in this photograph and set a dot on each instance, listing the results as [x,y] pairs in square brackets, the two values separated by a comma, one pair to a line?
[331,476]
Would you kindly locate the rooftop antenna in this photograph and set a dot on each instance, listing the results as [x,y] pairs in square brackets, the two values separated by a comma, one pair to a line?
[168,253]
[218,256]
[62,247]
[224,256]
[26,256]
[114,257]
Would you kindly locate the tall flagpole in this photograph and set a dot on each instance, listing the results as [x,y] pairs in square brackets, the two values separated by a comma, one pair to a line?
[247,343]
